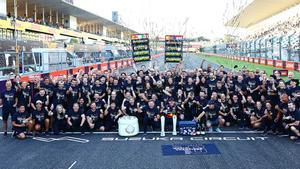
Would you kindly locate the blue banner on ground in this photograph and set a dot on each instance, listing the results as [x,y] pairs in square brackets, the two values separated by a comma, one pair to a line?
[189,149]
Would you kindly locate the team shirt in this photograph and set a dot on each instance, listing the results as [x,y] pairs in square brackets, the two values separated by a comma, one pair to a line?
[8,98]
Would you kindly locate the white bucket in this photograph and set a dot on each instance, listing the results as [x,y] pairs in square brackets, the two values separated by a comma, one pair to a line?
[128,126]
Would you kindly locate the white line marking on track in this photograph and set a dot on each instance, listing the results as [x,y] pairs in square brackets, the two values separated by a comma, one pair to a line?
[158,132]
[75,139]
[72,164]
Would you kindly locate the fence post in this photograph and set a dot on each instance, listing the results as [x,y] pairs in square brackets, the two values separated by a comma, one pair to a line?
[23,68]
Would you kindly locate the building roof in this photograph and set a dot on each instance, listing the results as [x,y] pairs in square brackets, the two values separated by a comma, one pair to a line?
[260,10]
[81,14]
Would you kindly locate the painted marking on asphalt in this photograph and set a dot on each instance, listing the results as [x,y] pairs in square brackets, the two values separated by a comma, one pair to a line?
[158,132]
[72,164]
[48,140]
[75,139]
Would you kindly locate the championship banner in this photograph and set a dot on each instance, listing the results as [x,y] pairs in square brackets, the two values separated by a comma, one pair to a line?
[140,47]
[173,48]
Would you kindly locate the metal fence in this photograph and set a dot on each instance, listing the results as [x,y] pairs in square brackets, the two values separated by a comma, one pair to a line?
[285,48]
[43,62]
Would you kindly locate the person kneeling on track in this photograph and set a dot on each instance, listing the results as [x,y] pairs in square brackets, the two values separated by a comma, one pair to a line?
[60,117]
[226,118]
[257,116]
[291,121]
[40,118]
[236,109]
[267,118]
[21,122]
[212,115]
[111,116]
[248,110]
[93,117]
[151,116]
[76,119]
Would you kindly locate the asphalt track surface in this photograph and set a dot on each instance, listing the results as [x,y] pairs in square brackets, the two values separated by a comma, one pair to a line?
[109,151]
[98,152]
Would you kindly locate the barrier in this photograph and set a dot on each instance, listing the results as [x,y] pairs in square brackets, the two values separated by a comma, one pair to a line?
[102,67]
[281,64]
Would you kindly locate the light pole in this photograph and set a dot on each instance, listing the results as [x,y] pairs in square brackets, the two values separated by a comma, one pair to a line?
[15,37]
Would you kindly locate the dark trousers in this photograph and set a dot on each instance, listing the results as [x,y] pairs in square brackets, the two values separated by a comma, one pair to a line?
[150,121]
[59,125]
[245,120]
[76,126]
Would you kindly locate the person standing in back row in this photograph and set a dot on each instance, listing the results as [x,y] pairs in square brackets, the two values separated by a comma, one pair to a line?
[9,103]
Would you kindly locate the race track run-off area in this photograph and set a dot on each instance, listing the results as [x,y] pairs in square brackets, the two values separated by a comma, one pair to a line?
[236,149]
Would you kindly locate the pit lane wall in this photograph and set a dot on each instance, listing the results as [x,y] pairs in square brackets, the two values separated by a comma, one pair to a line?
[280,64]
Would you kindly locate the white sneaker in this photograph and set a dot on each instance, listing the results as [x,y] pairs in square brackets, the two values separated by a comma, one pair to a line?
[202,132]
[218,130]
[1,118]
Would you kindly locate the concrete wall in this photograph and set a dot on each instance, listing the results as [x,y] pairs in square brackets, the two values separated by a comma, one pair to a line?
[3,8]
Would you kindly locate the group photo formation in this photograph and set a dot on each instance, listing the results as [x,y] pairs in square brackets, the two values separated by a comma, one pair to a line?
[212,98]
[89,84]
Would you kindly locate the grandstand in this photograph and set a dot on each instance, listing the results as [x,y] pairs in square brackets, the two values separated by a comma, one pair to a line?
[58,19]
[272,34]
[83,36]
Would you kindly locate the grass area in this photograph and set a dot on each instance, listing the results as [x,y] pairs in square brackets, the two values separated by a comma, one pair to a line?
[229,63]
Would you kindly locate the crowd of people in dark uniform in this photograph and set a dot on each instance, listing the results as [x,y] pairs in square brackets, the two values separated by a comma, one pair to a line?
[214,98]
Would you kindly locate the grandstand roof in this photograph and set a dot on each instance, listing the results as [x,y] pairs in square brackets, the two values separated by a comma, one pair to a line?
[258,11]
[81,14]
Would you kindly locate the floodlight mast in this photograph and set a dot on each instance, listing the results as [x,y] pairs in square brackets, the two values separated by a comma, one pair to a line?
[16,37]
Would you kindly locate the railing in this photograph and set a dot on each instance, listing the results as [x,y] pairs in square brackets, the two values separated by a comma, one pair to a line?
[286,48]
[8,34]
[31,63]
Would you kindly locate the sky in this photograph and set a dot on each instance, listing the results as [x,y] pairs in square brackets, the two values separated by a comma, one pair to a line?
[192,18]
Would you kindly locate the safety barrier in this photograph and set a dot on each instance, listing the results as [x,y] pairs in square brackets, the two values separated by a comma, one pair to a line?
[103,67]
[281,64]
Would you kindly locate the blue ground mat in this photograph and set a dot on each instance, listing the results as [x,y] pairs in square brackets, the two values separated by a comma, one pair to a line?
[189,149]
